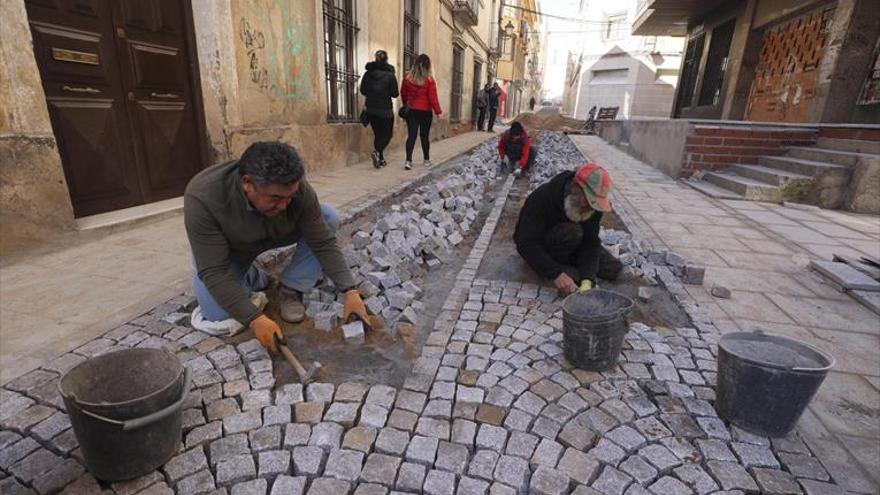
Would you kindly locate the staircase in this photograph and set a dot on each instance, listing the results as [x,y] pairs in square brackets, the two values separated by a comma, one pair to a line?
[818,174]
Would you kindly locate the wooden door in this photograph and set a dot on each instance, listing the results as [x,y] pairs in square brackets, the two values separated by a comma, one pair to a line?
[120,95]
[788,68]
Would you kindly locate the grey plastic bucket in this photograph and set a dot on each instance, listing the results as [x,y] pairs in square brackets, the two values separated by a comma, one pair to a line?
[126,408]
[593,326]
[766,381]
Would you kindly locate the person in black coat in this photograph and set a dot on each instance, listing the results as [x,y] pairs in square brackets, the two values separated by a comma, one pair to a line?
[557,232]
[494,94]
[379,85]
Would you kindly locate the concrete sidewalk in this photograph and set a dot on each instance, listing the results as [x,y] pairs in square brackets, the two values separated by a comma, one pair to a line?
[760,251]
[55,302]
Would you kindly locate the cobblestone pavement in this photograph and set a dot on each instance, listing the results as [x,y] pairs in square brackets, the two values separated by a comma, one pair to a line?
[79,295]
[491,406]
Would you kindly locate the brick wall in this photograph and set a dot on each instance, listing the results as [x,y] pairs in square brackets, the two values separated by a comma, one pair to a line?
[713,147]
[838,133]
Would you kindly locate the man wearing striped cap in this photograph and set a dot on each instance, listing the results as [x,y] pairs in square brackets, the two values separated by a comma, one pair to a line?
[558,230]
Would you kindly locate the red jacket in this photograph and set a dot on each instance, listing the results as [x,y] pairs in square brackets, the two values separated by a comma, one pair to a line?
[518,144]
[422,97]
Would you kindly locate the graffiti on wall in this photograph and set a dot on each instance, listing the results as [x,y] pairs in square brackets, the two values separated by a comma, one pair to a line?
[280,62]
[255,44]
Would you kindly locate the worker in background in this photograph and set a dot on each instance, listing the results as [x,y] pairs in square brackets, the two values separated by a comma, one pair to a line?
[516,150]
[557,232]
[236,210]
[532,104]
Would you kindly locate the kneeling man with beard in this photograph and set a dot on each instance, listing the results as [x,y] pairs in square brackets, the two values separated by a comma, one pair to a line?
[558,230]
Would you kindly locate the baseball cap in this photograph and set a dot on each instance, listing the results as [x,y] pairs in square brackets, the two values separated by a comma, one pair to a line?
[596,183]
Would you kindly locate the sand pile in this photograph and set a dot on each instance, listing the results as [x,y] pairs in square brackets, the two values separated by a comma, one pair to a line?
[548,121]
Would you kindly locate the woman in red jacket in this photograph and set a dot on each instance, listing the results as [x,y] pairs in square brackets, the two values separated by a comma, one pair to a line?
[418,92]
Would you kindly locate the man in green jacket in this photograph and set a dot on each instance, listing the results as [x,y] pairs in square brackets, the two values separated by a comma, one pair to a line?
[236,210]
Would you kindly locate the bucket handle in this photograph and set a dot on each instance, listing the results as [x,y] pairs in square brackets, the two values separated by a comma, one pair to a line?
[133,424]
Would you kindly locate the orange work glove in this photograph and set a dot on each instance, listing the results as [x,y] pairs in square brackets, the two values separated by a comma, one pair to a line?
[265,330]
[354,305]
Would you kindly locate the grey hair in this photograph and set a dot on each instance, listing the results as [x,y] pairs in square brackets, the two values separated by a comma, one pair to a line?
[271,162]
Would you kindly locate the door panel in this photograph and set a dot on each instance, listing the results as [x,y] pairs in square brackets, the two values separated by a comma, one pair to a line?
[156,72]
[117,79]
[89,132]
[77,61]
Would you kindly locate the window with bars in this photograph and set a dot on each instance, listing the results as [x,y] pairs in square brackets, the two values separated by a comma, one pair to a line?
[691,66]
[411,27]
[340,36]
[457,83]
[716,63]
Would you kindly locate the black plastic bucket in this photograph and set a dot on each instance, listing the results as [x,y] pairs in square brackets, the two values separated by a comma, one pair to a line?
[593,327]
[126,410]
[766,381]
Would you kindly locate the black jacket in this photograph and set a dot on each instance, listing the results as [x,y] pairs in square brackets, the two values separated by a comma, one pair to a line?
[543,209]
[494,95]
[379,85]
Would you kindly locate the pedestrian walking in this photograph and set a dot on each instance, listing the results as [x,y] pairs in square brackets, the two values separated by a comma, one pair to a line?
[494,97]
[379,85]
[516,150]
[419,95]
[532,104]
[482,103]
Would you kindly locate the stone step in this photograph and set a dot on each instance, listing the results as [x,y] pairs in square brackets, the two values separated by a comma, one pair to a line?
[825,155]
[801,166]
[852,145]
[752,189]
[773,176]
[712,190]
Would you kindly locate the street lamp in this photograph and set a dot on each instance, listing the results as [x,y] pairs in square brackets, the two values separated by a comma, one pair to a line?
[508,29]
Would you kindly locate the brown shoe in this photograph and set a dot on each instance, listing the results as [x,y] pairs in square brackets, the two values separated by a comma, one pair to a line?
[292,308]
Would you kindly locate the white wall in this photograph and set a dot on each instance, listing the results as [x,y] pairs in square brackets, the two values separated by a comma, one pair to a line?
[620,70]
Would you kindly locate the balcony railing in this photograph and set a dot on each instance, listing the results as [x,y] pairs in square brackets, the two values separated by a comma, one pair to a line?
[467,11]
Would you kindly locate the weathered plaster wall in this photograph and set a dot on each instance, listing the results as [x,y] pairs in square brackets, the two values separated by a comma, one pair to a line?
[277,62]
[852,46]
[212,21]
[34,199]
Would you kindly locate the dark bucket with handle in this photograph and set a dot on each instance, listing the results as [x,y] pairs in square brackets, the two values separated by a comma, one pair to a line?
[126,408]
[766,381]
[593,326]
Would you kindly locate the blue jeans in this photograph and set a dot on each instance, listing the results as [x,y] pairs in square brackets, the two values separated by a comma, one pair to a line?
[300,274]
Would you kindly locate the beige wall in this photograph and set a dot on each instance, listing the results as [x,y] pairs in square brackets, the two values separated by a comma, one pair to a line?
[34,201]
[261,69]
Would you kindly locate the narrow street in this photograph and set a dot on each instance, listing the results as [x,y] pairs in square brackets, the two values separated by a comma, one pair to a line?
[476,395]
[442,247]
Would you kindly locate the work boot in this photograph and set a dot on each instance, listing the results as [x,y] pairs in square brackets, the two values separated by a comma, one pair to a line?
[377,160]
[292,308]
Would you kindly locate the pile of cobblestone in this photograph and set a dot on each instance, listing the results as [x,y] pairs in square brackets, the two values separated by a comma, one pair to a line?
[390,256]
[556,153]
[655,266]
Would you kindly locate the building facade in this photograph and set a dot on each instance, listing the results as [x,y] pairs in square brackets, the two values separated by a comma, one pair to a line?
[793,61]
[518,48]
[607,66]
[108,105]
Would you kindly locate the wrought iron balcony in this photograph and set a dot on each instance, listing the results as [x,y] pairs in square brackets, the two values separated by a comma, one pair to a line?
[466,11]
